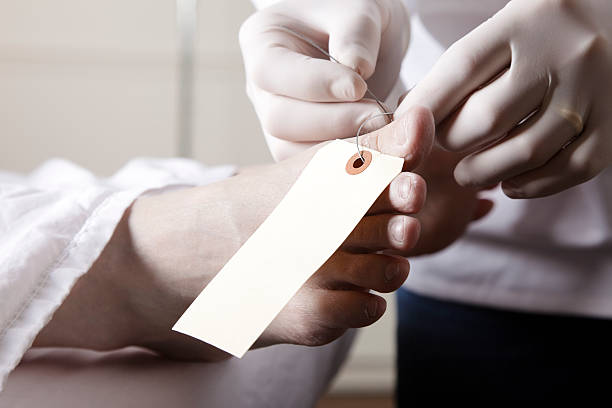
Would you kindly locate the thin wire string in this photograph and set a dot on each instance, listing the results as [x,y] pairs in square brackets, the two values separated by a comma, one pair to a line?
[381,105]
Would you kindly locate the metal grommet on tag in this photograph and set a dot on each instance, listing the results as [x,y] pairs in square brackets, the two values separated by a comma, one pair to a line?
[357,164]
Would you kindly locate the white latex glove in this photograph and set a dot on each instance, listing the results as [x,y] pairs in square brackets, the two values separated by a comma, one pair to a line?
[300,96]
[551,59]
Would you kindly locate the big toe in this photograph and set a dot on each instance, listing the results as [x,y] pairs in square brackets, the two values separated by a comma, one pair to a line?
[409,136]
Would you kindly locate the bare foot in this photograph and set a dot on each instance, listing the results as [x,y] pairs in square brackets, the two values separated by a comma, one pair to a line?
[450,208]
[169,246]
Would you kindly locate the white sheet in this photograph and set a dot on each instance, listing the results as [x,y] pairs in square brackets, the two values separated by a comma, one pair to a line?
[54,223]
[278,376]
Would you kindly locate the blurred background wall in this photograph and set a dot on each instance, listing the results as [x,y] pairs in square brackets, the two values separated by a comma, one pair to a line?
[100,82]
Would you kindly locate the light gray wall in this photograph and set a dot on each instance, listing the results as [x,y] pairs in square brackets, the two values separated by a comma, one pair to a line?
[96,82]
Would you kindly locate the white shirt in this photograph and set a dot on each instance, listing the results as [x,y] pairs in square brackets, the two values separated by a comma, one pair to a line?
[54,223]
[551,255]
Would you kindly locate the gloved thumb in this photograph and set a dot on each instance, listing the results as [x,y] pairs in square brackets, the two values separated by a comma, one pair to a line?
[355,41]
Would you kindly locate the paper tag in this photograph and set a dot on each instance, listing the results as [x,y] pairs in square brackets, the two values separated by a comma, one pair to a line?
[318,213]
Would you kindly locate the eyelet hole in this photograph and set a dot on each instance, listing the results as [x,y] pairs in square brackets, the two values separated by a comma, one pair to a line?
[359,162]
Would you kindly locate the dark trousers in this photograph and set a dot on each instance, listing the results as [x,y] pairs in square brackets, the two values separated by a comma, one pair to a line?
[453,352]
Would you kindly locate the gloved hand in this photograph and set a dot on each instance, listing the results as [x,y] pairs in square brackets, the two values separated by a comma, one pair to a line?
[528,93]
[291,84]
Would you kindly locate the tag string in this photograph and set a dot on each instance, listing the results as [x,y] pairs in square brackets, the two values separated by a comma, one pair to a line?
[381,105]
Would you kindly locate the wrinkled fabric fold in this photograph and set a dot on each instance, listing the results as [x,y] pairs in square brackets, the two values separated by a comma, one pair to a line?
[54,223]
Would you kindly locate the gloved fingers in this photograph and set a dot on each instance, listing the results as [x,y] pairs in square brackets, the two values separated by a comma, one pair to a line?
[406,194]
[491,112]
[393,46]
[383,82]
[383,232]
[282,149]
[467,65]
[529,146]
[301,121]
[409,136]
[575,164]
[354,39]
[280,63]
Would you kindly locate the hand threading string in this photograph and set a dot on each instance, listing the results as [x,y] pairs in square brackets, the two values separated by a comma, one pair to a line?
[381,105]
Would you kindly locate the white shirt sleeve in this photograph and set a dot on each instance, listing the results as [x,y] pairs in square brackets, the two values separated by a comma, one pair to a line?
[54,223]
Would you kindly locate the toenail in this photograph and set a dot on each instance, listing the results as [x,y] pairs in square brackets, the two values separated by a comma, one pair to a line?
[405,188]
[371,309]
[398,230]
[392,271]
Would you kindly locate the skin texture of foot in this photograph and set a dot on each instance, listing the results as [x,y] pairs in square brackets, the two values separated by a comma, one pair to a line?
[169,246]
[450,208]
